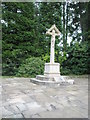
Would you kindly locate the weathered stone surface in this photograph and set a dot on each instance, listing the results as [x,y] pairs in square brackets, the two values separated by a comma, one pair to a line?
[66,112]
[6,112]
[23,99]
[21,106]
[52,70]
[55,80]
[15,116]
[47,83]
[53,31]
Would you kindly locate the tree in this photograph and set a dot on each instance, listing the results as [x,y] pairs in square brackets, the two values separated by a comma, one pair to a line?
[64,30]
[19,36]
[79,25]
[50,13]
[76,25]
[24,27]
[77,59]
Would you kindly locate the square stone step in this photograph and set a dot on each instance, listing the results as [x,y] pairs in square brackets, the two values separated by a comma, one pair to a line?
[48,83]
[44,78]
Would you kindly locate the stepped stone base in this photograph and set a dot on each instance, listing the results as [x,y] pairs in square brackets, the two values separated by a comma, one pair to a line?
[51,76]
[50,81]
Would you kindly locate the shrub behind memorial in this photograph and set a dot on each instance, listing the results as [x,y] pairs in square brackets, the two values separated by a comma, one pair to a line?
[31,67]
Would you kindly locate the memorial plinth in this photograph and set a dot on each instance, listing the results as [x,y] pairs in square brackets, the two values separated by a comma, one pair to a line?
[52,70]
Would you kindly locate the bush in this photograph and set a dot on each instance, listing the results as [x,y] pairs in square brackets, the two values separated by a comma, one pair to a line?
[9,69]
[77,59]
[65,71]
[31,67]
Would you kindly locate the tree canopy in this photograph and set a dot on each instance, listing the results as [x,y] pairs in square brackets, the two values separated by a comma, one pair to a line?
[24,27]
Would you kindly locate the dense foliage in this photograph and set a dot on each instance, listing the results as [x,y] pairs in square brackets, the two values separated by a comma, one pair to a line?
[76,61]
[23,37]
[31,67]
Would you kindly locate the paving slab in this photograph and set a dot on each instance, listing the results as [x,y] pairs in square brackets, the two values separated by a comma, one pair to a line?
[23,99]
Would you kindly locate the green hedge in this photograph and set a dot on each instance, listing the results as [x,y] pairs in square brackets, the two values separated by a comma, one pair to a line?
[31,67]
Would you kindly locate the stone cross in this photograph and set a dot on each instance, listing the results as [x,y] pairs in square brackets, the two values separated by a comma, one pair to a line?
[53,31]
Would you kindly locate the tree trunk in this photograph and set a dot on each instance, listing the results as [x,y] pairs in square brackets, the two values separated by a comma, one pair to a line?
[66,24]
[64,41]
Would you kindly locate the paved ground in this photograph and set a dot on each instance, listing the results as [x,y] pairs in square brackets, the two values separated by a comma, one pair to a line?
[22,99]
